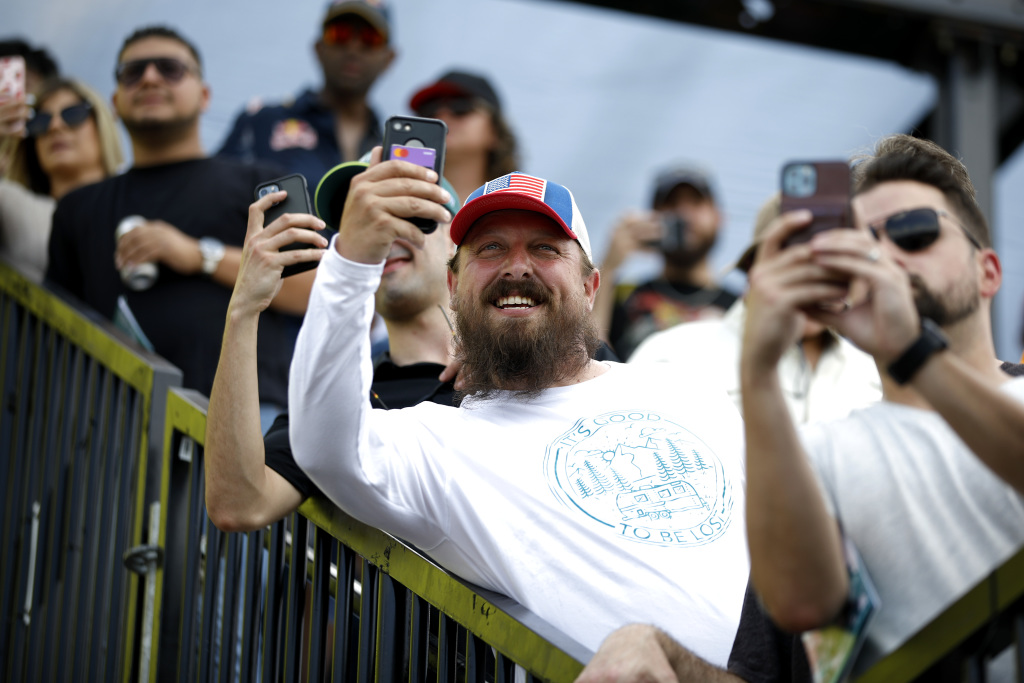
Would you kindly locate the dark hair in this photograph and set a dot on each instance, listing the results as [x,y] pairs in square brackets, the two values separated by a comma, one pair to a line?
[37,60]
[904,157]
[160,32]
[504,158]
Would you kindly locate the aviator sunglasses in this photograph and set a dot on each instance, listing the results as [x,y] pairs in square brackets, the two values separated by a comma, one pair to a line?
[341,32]
[170,69]
[458,106]
[73,116]
[916,229]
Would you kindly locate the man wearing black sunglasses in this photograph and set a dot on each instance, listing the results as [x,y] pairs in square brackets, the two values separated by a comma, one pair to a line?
[188,214]
[319,129]
[927,483]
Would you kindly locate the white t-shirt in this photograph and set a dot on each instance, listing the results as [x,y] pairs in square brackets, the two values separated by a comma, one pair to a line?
[612,501]
[25,219]
[928,517]
[844,379]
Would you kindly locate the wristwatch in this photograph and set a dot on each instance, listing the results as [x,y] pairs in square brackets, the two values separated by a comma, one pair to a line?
[931,341]
[212,251]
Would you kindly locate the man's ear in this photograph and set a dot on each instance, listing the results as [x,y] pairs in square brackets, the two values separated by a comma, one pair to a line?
[991,273]
[391,58]
[591,285]
[453,282]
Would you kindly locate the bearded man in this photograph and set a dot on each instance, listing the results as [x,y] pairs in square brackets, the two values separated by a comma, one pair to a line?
[682,226]
[593,493]
[928,483]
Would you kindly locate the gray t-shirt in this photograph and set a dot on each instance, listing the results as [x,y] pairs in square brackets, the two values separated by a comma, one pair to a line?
[928,517]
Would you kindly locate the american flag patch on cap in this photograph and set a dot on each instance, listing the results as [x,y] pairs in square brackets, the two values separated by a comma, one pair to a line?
[524,192]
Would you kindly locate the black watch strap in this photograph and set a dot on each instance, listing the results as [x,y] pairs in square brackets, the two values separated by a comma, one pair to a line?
[932,340]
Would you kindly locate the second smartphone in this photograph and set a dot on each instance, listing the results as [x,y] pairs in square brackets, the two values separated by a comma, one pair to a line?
[419,141]
[297,201]
[823,187]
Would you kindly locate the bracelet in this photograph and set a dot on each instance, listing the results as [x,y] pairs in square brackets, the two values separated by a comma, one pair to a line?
[931,341]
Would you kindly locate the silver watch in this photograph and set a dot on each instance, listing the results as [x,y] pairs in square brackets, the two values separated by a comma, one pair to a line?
[212,251]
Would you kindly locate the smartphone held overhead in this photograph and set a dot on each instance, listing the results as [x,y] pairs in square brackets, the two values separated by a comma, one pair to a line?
[297,201]
[821,187]
[419,141]
[12,78]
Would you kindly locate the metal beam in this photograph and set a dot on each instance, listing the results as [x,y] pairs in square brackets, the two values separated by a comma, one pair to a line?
[993,14]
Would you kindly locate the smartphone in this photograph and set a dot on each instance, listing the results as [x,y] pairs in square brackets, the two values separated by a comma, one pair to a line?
[823,187]
[12,77]
[297,201]
[419,141]
[673,233]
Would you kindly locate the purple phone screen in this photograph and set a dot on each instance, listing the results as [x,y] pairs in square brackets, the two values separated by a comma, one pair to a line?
[421,156]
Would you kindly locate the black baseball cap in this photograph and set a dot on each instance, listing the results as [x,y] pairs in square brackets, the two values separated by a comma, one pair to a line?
[376,12]
[457,84]
[671,178]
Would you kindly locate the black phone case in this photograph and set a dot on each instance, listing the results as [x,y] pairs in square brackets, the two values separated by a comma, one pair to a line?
[297,201]
[431,133]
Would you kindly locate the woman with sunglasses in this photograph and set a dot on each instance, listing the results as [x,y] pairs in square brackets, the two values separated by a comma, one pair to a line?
[71,140]
[481,145]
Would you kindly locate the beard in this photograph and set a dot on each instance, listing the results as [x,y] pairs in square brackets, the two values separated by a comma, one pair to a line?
[160,131]
[692,253]
[944,310]
[524,356]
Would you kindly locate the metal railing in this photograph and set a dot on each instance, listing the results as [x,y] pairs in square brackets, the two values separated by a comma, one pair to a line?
[958,643]
[102,464]
[321,596]
[80,412]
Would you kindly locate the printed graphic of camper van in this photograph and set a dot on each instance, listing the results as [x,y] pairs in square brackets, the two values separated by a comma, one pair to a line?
[658,501]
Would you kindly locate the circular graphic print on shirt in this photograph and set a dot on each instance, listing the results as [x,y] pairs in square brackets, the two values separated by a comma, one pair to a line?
[643,476]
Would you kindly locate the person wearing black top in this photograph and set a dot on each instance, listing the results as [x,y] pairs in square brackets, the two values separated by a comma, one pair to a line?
[252,481]
[186,213]
[682,226]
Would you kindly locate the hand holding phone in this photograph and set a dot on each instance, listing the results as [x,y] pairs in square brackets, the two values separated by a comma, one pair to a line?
[297,201]
[673,233]
[13,110]
[419,141]
[823,188]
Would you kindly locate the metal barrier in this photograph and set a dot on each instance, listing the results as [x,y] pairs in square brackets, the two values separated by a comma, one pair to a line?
[321,596]
[80,412]
[103,463]
[957,644]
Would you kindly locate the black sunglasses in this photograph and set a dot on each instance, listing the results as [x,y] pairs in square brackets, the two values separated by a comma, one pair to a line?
[458,106]
[916,229]
[170,69]
[73,116]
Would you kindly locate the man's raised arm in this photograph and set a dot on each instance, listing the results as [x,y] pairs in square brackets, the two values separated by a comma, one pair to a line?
[242,493]
[795,554]
[331,369]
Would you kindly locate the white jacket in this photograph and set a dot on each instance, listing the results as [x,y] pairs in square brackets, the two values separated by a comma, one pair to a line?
[845,378]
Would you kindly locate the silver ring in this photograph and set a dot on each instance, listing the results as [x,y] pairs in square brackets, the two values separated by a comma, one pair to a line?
[874,254]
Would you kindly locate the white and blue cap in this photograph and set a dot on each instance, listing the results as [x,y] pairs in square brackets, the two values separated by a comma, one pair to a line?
[527,193]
